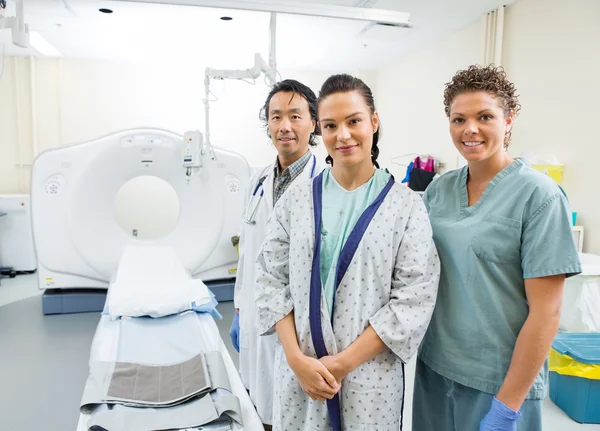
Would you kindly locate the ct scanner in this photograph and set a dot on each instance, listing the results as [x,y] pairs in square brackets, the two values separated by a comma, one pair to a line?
[81,232]
[78,239]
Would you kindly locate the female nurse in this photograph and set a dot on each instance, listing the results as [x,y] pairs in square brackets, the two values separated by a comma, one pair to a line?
[503,233]
[347,278]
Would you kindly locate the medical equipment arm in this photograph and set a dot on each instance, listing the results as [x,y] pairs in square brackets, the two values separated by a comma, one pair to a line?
[260,66]
[544,296]
[254,72]
[20,30]
[402,322]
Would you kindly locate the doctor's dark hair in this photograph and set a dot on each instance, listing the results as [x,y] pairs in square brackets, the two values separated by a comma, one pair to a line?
[295,87]
[344,83]
[491,79]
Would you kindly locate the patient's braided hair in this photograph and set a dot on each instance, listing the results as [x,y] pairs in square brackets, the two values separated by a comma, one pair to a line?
[344,83]
[491,79]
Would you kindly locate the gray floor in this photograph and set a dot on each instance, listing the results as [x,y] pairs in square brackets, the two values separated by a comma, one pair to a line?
[44,364]
[44,359]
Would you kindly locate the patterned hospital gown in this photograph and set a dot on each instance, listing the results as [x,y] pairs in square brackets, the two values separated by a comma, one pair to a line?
[391,284]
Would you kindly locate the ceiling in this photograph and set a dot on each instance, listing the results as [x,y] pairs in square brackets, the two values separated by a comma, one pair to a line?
[184,36]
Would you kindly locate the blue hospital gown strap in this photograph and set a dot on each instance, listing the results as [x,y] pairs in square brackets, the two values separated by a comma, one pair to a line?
[345,258]
[333,405]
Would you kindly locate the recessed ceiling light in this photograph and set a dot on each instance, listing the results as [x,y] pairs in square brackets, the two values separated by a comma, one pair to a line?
[226,18]
[103,10]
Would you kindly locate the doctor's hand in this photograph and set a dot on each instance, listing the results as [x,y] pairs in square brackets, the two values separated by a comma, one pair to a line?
[314,378]
[234,332]
[336,366]
[499,418]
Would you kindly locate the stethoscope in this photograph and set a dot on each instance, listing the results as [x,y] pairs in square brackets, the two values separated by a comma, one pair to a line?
[252,208]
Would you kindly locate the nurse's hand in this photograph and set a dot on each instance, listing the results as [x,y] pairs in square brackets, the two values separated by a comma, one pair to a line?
[499,418]
[314,378]
[336,366]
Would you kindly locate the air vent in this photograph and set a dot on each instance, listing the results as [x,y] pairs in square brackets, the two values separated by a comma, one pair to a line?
[383,32]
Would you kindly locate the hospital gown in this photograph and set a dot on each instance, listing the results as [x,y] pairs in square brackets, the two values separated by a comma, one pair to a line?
[391,284]
[341,210]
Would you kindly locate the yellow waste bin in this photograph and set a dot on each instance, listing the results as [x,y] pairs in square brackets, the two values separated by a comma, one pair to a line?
[553,171]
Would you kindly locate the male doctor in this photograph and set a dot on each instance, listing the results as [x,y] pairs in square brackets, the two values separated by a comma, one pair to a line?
[290,115]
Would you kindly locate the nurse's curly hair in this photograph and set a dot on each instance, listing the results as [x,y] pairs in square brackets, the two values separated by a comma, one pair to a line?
[491,79]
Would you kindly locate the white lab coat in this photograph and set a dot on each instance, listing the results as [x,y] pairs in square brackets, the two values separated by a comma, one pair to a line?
[256,353]
[391,284]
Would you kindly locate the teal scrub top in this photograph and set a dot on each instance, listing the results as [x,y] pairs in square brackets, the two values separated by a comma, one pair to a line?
[520,228]
[341,211]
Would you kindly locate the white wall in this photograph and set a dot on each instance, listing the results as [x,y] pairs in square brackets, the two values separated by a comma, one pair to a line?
[77,100]
[551,52]
[61,102]
[15,126]
[409,96]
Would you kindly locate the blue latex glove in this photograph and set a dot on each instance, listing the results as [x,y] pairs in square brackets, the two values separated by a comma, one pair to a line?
[234,332]
[499,418]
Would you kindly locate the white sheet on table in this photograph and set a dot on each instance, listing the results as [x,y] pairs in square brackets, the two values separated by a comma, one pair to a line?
[151,281]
